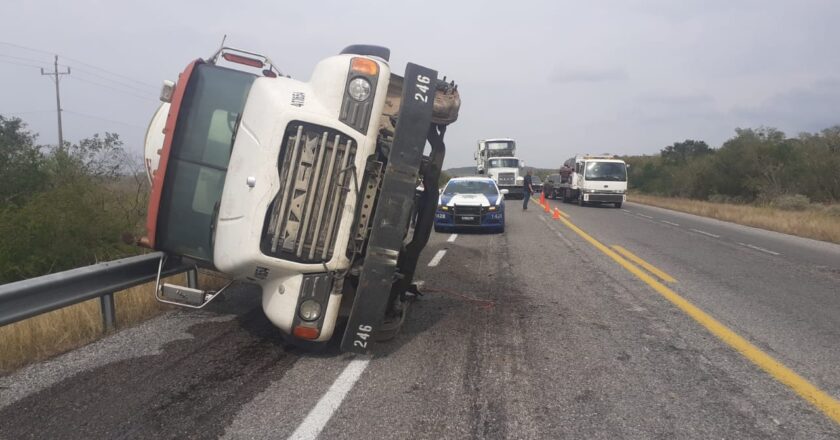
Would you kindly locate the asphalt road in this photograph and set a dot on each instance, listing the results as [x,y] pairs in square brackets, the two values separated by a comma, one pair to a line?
[534,333]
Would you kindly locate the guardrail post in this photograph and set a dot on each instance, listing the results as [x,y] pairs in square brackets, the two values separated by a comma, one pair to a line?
[192,278]
[109,312]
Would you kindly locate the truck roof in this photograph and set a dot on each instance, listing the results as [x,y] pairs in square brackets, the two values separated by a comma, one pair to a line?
[497,139]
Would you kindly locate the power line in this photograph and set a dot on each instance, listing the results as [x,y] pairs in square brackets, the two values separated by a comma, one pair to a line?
[24,47]
[21,64]
[149,97]
[26,112]
[6,43]
[41,62]
[86,115]
[119,75]
[129,86]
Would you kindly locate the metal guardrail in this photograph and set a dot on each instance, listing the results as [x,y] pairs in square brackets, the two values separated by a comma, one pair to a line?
[28,298]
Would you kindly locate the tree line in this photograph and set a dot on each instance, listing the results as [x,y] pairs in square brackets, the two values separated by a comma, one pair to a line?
[761,166]
[66,206]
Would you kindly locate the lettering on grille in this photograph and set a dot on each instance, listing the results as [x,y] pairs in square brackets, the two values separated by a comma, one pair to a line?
[315,176]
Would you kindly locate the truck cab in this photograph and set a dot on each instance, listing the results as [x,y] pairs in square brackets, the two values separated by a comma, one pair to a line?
[497,159]
[506,171]
[287,183]
[595,179]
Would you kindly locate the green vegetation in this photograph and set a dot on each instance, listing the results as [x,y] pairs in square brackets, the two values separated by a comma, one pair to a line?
[758,166]
[65,207]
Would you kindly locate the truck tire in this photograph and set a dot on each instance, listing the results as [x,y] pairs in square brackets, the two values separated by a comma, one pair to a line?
[580,199]
[617,205]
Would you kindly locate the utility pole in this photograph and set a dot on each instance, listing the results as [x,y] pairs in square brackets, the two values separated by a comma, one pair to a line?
[57,79]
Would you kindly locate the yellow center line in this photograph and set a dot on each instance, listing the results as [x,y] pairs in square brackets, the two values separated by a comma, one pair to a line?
[808,391]
[649,267]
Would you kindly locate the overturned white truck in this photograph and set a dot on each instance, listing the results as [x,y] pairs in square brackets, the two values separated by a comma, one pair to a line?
[305,188]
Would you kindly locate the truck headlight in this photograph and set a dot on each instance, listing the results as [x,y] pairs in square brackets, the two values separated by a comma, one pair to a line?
[310,310]
[359,89]
[443,207]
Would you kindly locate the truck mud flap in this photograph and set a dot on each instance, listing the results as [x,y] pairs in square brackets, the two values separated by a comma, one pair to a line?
[394,210]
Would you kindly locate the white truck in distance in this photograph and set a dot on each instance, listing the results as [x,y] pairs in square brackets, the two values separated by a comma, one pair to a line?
[497,158]
[594,179]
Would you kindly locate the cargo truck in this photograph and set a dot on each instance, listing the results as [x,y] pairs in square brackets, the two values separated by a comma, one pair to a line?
[596,179]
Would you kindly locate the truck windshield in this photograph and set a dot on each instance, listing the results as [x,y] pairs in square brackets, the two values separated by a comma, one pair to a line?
[607,171]
[499,148]
[506,145]
[198,159]
[504,163]
[471,187]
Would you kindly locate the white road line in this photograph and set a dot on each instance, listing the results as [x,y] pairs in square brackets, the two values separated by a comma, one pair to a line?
[645,216]
[452,238]
[436,259]
[669,223]
[761,249]
[626,210]
[323,411]
[706,233]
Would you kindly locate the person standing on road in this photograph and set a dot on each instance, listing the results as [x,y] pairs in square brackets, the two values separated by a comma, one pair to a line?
[527,190]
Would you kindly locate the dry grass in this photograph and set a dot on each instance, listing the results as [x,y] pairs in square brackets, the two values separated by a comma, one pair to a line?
[819,224]
[65,329]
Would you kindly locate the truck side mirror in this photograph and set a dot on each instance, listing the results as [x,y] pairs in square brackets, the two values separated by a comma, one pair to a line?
[504,191]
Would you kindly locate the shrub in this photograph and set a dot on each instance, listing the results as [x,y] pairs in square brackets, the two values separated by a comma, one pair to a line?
[794,202]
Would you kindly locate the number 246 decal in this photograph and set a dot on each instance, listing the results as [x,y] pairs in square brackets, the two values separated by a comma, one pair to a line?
[363,334]
[423,88]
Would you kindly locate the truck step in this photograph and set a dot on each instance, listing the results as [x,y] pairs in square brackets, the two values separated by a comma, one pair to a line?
[182,295]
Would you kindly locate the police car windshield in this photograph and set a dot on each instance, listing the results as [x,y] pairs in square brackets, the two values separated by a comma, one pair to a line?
[471,187]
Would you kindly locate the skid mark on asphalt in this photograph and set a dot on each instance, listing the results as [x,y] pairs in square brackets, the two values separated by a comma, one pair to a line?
[323,411]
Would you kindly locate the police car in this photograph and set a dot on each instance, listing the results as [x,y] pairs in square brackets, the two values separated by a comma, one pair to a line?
[471,203]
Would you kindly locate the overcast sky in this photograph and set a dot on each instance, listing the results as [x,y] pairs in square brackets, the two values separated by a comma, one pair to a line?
[560,77]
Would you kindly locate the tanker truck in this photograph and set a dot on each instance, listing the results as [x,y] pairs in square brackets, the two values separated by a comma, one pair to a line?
[306,188]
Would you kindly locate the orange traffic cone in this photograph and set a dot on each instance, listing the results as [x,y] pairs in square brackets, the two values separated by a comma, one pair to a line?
[556,215]
[547,209]
[542,198]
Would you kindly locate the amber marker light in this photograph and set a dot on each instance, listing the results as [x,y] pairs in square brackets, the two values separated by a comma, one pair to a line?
[364,66]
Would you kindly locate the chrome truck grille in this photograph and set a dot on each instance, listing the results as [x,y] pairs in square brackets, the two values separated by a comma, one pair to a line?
[507,179]
[315,176]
